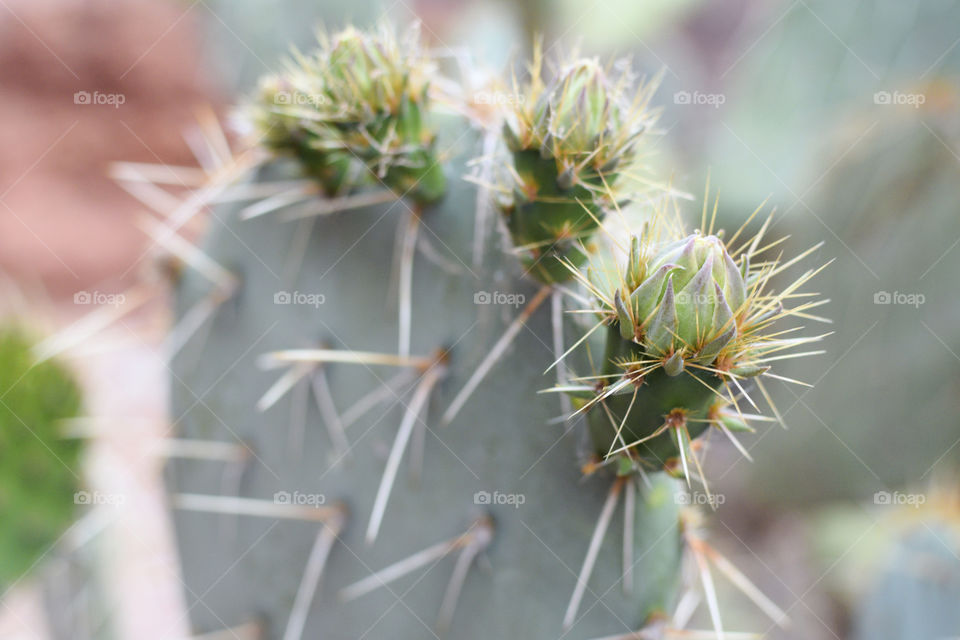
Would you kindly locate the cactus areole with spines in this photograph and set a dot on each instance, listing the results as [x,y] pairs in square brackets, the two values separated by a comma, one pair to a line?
[569,142]
[359,102]
[686,326]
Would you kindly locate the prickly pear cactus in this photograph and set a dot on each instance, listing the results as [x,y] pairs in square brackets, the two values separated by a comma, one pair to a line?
[914,582]
[38,461]
[509,522]
[915,598]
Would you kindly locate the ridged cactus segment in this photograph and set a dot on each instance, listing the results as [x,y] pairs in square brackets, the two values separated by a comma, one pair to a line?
[570,142]
[361,99]
[685,310]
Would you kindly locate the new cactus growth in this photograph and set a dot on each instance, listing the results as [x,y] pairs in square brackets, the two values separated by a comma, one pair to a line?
[570,143]
[361,98]
[688,322]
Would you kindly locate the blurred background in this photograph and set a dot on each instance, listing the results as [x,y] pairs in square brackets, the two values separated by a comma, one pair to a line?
[842,115]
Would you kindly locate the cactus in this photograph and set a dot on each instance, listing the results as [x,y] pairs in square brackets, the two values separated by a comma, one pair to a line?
[482,539]
[681,305]
[915,596]
[38,461]
[361,99]
[569,143]
[902,578]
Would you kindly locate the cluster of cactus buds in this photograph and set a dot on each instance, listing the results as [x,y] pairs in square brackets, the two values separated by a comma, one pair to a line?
[571,143]
[354,110]
[681,304]
[684,321]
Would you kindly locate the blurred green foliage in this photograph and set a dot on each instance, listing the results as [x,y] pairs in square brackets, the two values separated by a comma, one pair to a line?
[37,461]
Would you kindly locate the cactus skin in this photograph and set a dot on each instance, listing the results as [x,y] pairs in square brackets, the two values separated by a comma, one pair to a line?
[916,596]
[658,395]
[37,460]
[500,436]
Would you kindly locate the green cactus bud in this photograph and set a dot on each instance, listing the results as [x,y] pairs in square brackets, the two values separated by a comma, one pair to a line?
[283,132]
[361,98]
[570,143]
[694,288]
[578,113]
[680,305]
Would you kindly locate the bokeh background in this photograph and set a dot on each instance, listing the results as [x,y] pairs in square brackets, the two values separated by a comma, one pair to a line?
[844,116]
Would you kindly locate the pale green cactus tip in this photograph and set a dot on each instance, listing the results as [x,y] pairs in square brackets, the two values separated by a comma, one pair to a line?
[361,99]
[574,146]
[691,304]
[589,119]
[682,304]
